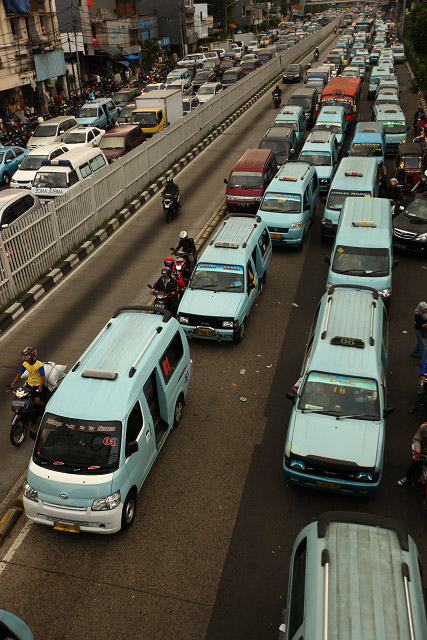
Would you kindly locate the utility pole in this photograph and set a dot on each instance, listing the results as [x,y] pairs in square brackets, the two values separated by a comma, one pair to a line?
[79,77]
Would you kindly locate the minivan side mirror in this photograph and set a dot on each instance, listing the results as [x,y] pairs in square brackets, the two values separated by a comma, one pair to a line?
[388,411]
[291,397]
[131,447]
[395,264]
[328,259]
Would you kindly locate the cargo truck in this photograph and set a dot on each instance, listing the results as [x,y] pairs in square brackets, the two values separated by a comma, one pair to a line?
[156,110]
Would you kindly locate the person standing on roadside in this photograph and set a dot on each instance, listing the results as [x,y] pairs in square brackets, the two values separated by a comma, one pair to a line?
[420,349]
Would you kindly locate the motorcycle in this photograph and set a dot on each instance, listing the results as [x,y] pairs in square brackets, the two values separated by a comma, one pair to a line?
[316,56]
[182,265]
[277,99]
[162,300]
[170,206]
[26,413]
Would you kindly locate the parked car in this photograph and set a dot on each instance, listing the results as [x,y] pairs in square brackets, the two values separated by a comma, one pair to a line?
[120,140]
[83,137]
[10,159]
[208,91]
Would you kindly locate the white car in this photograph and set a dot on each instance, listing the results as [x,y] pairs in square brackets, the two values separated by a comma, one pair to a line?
[154,86]
[208,91]
[83,137]
[24,176]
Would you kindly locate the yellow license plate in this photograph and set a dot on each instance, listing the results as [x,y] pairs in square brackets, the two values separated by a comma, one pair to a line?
[199,332]
[328,485]
[70,528]
[276,235]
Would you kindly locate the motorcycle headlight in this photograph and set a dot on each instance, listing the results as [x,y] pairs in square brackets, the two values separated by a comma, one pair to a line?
[30,493]
[296,225]
[227,324]
[106,504]
[183,319]
[421,238]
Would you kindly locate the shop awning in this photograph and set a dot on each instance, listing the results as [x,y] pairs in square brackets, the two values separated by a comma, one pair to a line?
[131,56]
[124,62]
[110,51]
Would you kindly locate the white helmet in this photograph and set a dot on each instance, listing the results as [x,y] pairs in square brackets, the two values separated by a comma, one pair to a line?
[183,235]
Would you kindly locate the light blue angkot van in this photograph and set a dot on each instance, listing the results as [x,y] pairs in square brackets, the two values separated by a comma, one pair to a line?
[105,425]
[358,177]
[289,203]
[292,114]
[377,73]
[394,122]
[321,150]
[368,141]
[101,112]
[336,431]
[332,118]
[363,250]
[227,280]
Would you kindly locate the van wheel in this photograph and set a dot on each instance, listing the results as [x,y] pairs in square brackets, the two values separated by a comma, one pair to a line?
[6,178]
[129,511]
[260,286]
[301,244]
[177,414]
[238,335]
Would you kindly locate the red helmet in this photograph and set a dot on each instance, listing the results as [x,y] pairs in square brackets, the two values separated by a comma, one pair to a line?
[29,352]
[170,262]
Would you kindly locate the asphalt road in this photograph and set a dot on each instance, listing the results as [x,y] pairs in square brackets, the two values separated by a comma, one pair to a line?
[208,553]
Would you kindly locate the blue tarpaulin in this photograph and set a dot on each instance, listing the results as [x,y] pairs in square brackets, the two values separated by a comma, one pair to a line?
[131,56]
[17,6]
[125,62]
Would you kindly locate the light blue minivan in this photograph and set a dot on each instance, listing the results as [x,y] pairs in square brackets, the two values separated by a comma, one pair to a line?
[332,118]
[336,431]
[227,280]
[101,112]
[368,141]
[363,249]
[321,150]
[294,115]
[104,426]
[394,122]
[289,203]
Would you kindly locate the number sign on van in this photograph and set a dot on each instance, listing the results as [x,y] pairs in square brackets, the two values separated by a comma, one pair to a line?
[348,342]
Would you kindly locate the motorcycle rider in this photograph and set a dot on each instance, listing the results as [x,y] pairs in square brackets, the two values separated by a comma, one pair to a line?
[187,245]
[36,375]
[277,93]
[167,285]
[172,189]
[316,53]
[421,186]
[419,446]
[421,394]
[394,192]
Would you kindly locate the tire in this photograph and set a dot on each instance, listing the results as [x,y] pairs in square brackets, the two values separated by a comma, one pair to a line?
[301,244]
[177,414]
[6,178]
[238,335]
[260,286]
[129,511]
[168,216]
[18,431]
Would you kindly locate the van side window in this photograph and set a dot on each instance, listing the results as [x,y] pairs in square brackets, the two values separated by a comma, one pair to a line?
[264,242]
[296,613]
[171,357]
[135,423]
[73,178]
[306,204]
[85,170]
[97,162]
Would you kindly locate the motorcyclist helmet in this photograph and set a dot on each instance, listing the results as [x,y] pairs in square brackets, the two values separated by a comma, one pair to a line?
[169,180]
[423,179]
[166,272]
[183,235]
[29,353]
[277,88]
[393,181]
[169,262]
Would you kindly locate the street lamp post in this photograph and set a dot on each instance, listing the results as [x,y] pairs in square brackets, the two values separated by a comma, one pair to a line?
[226,7]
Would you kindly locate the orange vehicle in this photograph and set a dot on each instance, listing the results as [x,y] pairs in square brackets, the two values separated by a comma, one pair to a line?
[344,92]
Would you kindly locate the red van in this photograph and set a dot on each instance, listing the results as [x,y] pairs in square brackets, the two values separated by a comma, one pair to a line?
[249,178]
[120,140]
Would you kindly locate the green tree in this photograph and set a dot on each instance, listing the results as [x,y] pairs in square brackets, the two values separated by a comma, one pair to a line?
[150,49]
[416,28]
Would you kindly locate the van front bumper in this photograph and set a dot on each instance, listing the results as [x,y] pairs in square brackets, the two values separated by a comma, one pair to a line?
[291,237]
[333,485]
[208,333]
[49,514]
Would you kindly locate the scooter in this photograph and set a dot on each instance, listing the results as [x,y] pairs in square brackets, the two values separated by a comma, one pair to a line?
[316,56]
[277,99]
[182,265]
[161,299]
[170,207]
[26,413]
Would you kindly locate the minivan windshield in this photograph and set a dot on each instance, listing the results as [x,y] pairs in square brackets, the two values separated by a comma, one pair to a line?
[78,446]
[361,261]
[340,395]
[367,150]
[394,127]
[319,159]
[335,127]
[300,101]
[45,131]
[50,180]
[245,180]
[281,202]
[337,196]
[112,142]
[218,277]
[32,163]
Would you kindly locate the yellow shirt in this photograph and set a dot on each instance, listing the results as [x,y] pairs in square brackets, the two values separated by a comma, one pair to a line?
[34,377]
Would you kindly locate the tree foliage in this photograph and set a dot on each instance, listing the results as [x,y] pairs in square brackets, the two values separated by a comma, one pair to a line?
[149,51]
[416,28]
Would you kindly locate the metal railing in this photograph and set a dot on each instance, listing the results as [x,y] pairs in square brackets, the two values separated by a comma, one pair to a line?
[34,244]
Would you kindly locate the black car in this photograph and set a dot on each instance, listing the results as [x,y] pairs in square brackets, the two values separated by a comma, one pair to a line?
[203,76]
[293,73]
[410,226]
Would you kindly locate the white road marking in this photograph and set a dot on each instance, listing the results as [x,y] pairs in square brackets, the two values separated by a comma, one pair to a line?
[15,545]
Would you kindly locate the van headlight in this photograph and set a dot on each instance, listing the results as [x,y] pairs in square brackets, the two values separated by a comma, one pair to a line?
[30,493]
[106,504]
[365,476]
[227,324]
[183,319]
[296,225]
[297,464]
[385,293]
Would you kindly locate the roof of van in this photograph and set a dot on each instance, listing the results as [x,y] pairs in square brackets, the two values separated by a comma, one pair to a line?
[369,127]
[235,231]
[319,137]
[252,160]
[357,211]
[350,317]
[115,349]
[389,111]
[75,155]
[56,120]
[329,113]
[368,557]
[290,174]
[353,173]
[46,149]
[290,109]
